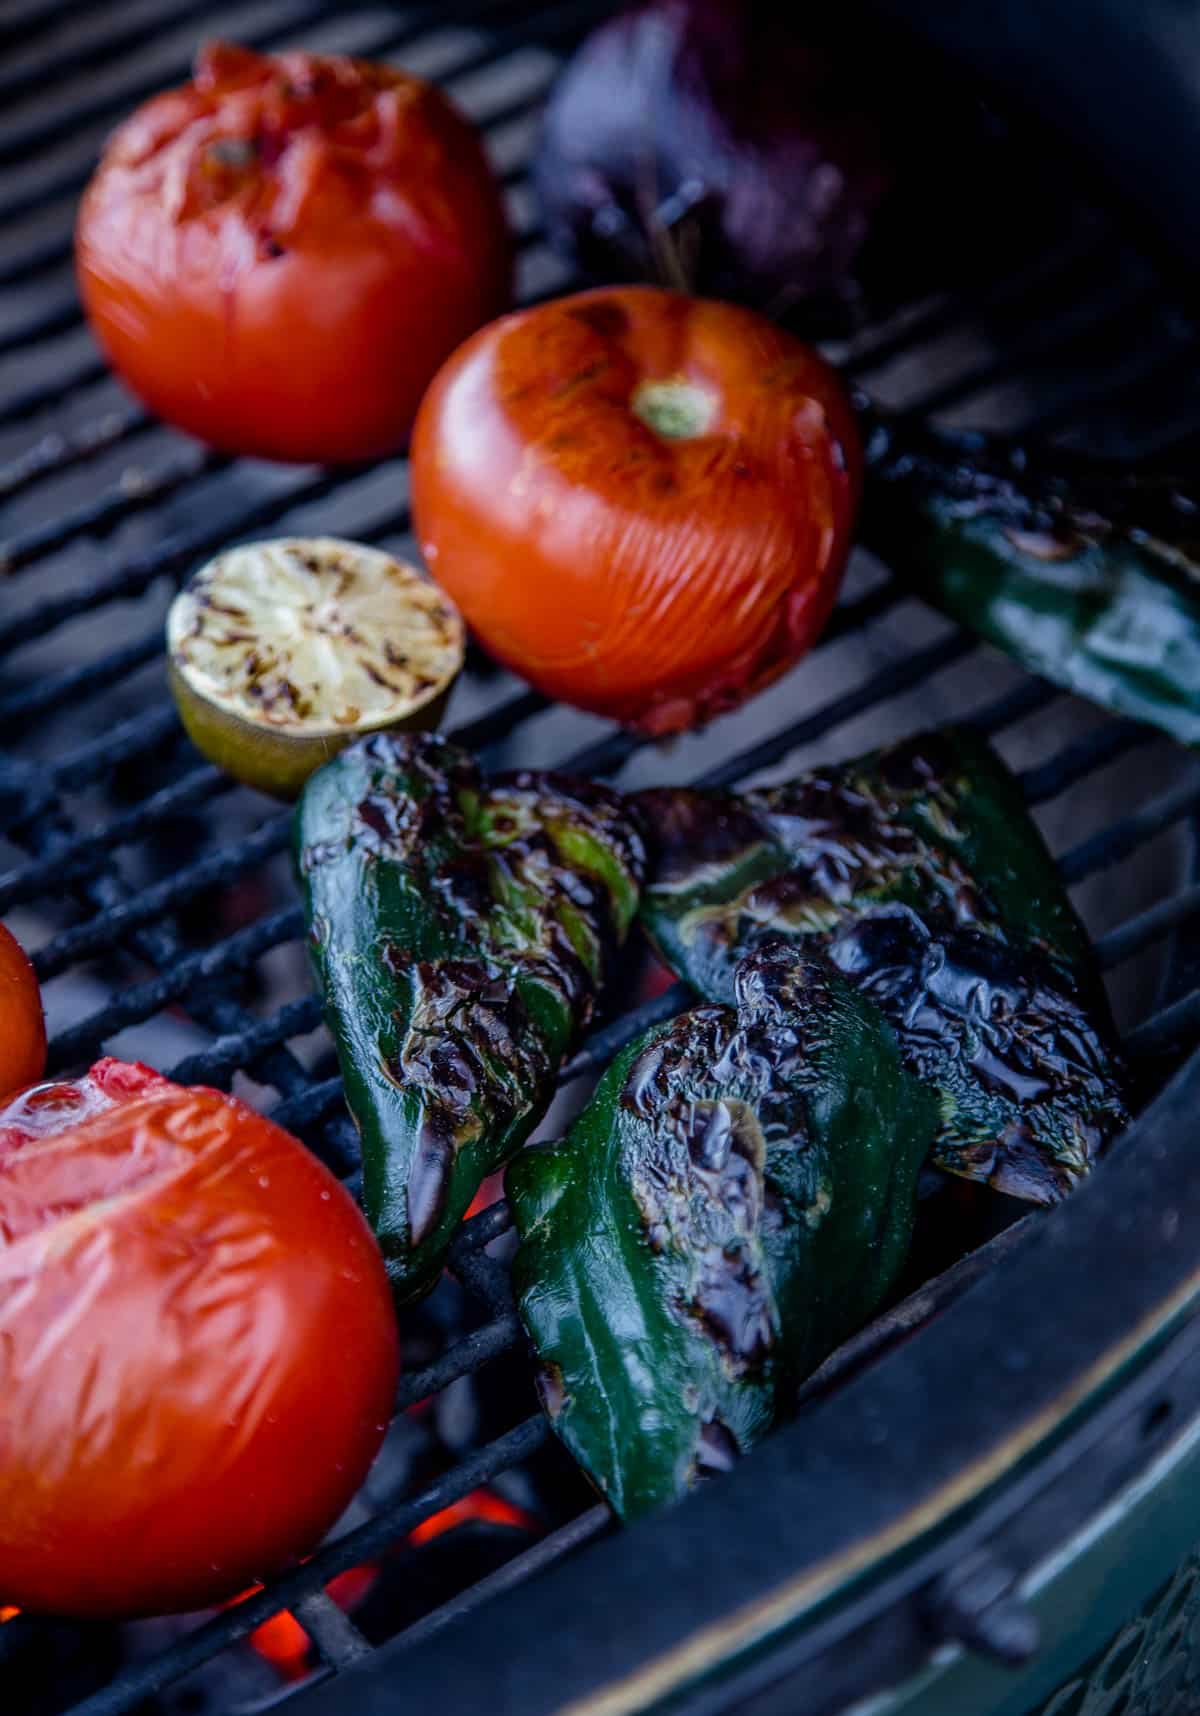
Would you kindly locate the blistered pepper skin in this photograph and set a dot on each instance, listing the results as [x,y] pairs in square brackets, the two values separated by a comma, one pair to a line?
[1086,571]
[736,1198]
[460,931]
[919,873]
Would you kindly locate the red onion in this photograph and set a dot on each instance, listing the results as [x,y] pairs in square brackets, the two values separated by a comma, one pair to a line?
[736,150]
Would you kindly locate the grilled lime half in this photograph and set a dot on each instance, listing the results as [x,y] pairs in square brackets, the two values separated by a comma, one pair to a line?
[282,652]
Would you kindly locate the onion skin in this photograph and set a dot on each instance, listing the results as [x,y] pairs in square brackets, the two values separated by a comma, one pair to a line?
[723,114]
[822,166]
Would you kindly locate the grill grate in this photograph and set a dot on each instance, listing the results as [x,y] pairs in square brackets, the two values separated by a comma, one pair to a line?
[97,786]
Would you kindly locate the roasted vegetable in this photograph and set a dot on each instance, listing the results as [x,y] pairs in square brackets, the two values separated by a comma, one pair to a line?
[736,1198]
[283,652]
[642,502]
[277,255]
[460,932]
[1087,573]
[192,1312]
[919,873]
[790,158]
[713,144]
[22,1024]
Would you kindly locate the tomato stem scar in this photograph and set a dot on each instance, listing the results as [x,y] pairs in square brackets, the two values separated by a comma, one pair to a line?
[676,410]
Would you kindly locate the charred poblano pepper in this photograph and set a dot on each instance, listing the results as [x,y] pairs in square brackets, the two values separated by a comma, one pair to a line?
[737,1197]
[460,930]
[919,873]
[1087,573]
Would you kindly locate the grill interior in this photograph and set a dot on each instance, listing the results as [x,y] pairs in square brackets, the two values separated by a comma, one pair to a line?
[156,896]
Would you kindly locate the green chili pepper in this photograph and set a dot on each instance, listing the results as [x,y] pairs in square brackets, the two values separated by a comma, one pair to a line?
[460,931]
[737,1197]
[1087,573]
[919,873]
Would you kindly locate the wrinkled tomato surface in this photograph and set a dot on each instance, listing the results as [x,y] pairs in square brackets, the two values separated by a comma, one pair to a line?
[198,1352]
[641,501]
[278,255]
[22,1026]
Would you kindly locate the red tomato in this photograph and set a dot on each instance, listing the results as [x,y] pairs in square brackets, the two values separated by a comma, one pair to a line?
[197,1346]
[641,501]
[22,1027]
[278,255]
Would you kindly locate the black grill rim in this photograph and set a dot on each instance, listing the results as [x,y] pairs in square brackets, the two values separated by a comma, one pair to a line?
[587,1649]
[731,1590]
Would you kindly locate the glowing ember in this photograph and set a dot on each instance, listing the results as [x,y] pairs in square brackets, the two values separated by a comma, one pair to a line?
[491,1191]
[282,1640]
[284,1643]
[480,1504]
[7,1614]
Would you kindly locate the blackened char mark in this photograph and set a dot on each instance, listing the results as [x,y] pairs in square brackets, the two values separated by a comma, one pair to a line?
[1030,1040]
[469,1048]
[415,781]
[608,814]
[1002,1015]
[733,1303]
[463,888]
[678,1057]
[716,1449]
[690,830]
[430,1174]
[555,964]
[551,1390]
[698,1182]
[844,841]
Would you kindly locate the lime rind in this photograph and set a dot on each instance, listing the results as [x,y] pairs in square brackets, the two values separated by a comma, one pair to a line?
[280,653]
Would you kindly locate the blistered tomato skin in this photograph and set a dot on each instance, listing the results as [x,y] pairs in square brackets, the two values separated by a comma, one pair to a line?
[278,255]
[197,1347]
[22,1026]
[640,501]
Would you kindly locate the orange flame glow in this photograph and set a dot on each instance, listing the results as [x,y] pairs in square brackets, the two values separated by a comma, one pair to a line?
[282,1640]
[480,1504]
[6,1614]
[284,1643]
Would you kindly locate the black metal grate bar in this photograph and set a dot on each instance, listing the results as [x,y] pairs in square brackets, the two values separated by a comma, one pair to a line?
[19,146]
[391,1524]
[1110,309]
[39,21]
[85,851]
[99,516]
[100,49]
[1171,1030]
[61,451]
[143,1000]
[335,1635]
[20,406]
[1137,373]
[50,693]
[1104,745]
[899,676]
[1015,287]
[584,1529]
[1138,932]
[159,946]
[180,553]
[1125,836]
[26,142]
